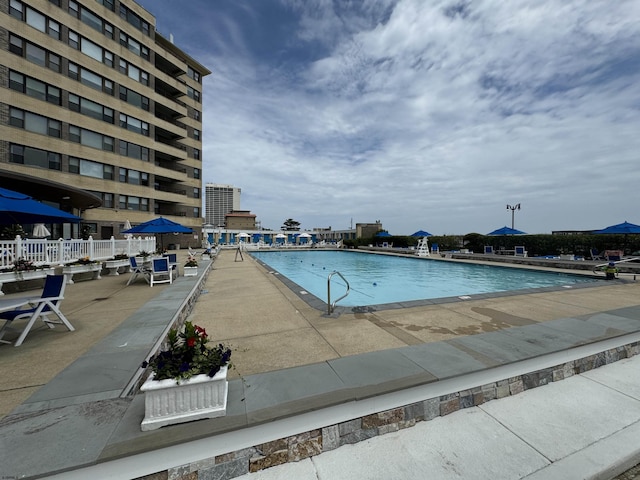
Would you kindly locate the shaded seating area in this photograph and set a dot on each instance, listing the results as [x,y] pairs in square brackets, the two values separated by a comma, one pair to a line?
[38,308]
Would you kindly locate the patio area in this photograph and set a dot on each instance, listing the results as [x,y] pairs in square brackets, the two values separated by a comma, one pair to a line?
[76,392]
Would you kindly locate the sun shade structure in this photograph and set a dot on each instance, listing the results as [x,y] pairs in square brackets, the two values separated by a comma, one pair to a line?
[623,228]
[20,208]
[383,234]
[421,233]
[507,231]
[160,226]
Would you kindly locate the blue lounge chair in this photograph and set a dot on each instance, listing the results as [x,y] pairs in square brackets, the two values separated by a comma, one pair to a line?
[519,251]
[488,249]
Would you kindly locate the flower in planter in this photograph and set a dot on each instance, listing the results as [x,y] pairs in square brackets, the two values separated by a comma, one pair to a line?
[83,261]
[121,256]
[188,354]
[23,265]
[143,254]
[191,261]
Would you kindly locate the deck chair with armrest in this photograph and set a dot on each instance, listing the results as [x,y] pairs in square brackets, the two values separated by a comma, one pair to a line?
[137,270]
[39,308]
[173,262]
[160,271]
[488,249]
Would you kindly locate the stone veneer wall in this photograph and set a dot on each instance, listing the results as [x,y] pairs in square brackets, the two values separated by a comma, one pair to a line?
[314,442]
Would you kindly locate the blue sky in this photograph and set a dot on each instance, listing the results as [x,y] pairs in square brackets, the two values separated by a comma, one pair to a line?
[422,114]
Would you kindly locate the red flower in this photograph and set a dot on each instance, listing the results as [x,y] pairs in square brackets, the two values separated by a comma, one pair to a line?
[191,341]
[201,331]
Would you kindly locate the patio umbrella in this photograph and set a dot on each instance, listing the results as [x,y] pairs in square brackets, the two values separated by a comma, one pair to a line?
[621,228]
[507,231]
[40,231]
[159,225]
[421,233]
[383,234]
[20,208]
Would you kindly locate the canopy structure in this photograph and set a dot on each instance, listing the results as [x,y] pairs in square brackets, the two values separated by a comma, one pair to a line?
[623,228]
[18,208]
[383,234]
[159,225]
[421,233]
[507,231]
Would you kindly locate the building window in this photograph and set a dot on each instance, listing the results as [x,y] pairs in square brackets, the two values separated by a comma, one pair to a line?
[134,125]
[134,98]
[107,200]
[196,192]
[196,173]
[74,40]
[90,79]
[34,123]
[34,157]
[196,114]
[34,18]
[191,73]
[196,212]
[90,108]
[134,19]
[196,134]
[132,150]
[192,93]
[128,202]
[34,53]
[90,139]
[134,46]
[110,4]
[196,154]
[34,88]
[88,168]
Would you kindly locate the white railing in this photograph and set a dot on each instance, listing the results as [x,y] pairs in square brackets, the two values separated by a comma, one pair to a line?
[60,252]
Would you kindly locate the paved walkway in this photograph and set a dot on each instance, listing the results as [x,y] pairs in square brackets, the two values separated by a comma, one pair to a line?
[338,368]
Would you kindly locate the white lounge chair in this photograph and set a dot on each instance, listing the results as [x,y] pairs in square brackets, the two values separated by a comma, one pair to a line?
[39,308]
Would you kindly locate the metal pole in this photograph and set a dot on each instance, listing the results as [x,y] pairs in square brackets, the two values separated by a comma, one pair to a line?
[513,209]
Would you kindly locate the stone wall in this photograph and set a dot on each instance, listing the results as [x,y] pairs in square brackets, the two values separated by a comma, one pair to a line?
[314,442]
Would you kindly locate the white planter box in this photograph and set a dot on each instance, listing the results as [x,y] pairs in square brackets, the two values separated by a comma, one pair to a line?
[167,402]
[71,270]
[190,271]
[113,265]
[9,277]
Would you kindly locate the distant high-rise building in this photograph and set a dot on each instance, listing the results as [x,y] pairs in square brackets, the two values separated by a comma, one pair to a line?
[220,200]
[100,115]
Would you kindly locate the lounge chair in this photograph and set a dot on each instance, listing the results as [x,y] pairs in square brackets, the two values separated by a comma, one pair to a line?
[161,271]
[137,270]
[595,255]
[435,248]
[488,249]
[173,262]
[519,251]
[48,303]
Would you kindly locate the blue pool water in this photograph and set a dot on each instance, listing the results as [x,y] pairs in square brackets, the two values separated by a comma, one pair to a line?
[380,279]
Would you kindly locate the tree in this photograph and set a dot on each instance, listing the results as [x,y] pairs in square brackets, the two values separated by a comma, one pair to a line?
[290,224]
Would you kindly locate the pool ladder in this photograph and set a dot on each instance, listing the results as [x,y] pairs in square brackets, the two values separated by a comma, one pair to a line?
[331,306]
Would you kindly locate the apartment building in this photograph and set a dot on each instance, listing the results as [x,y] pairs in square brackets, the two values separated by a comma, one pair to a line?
[100,115]
[219,201]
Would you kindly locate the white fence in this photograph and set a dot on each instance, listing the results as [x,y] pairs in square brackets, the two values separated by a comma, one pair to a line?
[60,252]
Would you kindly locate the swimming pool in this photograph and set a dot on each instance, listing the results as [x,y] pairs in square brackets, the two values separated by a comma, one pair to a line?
[381,279]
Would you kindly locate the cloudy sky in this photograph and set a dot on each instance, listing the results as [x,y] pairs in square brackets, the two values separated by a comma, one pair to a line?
[422,114]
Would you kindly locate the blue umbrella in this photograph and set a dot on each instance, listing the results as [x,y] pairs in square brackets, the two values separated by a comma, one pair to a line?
[421,233]
[507,231]
[20,208]
[159,225]
[621,228]
[383,234]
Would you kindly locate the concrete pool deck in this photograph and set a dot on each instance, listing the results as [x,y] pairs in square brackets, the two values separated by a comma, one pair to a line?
[290,359]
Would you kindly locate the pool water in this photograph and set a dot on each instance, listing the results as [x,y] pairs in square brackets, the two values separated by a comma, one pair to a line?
[379,279]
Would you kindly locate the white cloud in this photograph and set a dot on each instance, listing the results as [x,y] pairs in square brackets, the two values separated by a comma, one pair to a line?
[429,115]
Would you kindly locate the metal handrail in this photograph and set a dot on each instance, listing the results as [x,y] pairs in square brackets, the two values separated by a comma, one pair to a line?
[331,306]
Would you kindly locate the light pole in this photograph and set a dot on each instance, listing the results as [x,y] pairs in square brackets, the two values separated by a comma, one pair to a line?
[513,209]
